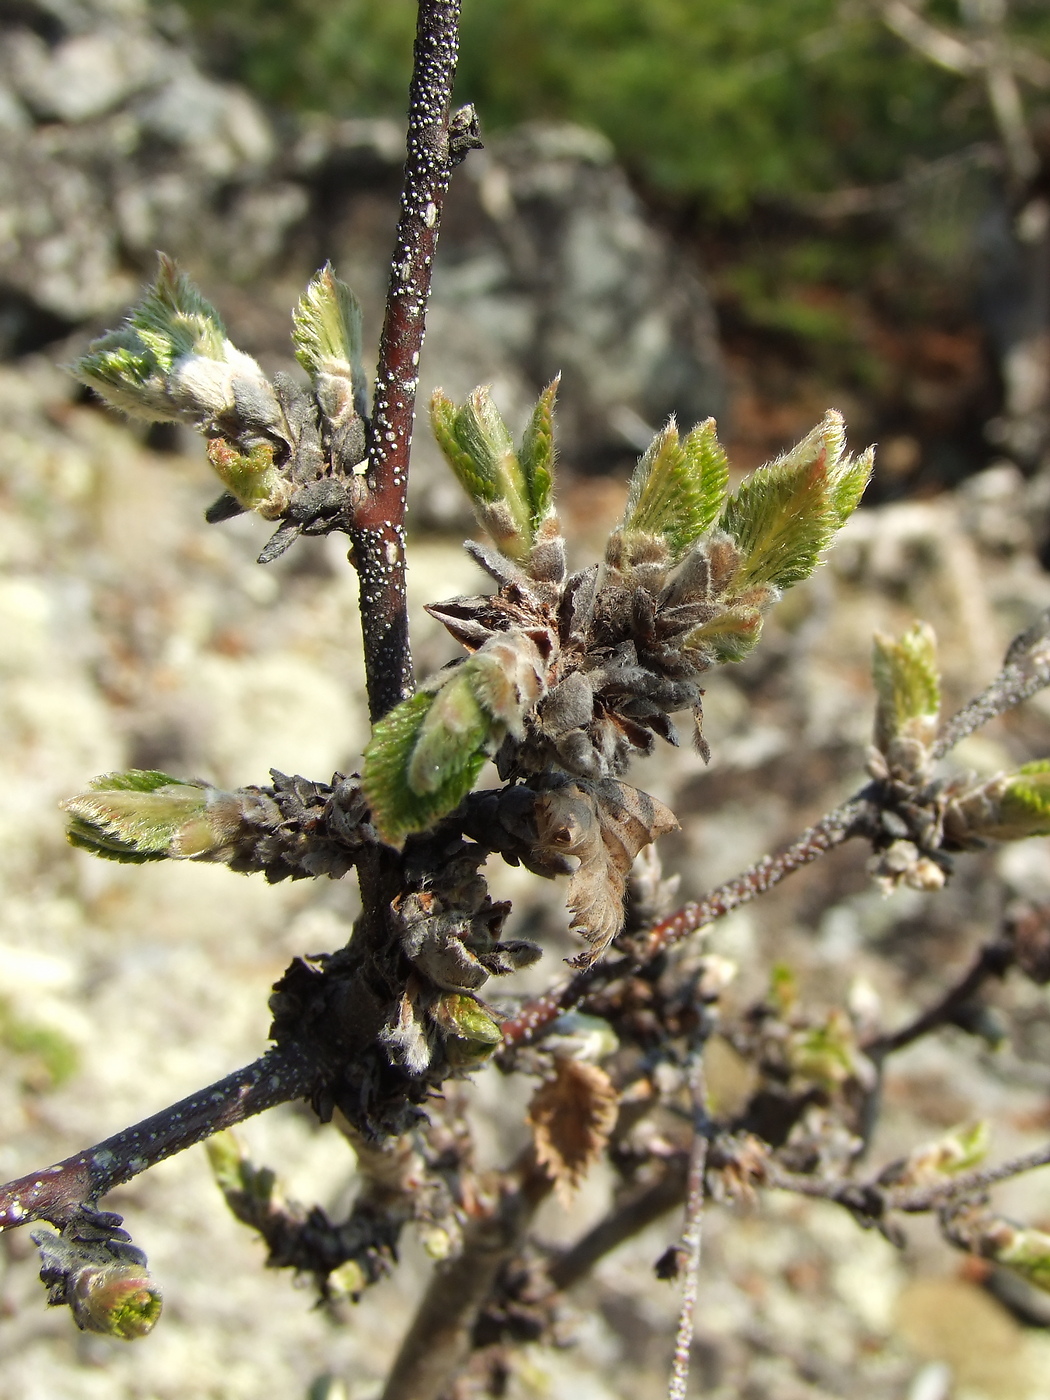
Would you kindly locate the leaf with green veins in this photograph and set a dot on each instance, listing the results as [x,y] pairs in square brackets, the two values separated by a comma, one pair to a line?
[787,512]
[537,454]
[397,807]
[140,815]
[730,636]
[907,683]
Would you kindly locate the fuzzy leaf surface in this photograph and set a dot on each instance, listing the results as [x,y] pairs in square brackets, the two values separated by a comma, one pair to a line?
[907,684]
[678,487]
[137,815]
[443,774]
[785,513]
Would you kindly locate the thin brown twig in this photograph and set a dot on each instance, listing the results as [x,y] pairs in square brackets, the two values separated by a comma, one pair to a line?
[1025,671]
[57,1193]
[692,1234]
[993,960]
[832,829]
[627,1218]
[378,527]
[873,1200]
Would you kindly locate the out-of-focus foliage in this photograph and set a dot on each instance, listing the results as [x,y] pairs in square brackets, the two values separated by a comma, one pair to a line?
[731,100]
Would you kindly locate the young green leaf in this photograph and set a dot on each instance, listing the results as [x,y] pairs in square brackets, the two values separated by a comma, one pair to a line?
[398,806]
[728,637]
[511,496]
[141,815]
[1025,1251]
[1013,806]
[678,487]
[454,730]
[787,512]
[327,338]
[537,455]
[907,683]
[251,477]
[172,359]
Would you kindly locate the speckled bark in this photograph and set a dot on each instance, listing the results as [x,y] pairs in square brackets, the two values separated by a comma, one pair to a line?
[378,534]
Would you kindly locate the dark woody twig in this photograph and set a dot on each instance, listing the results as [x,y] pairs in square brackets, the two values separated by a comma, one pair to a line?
[993,960]
[1025,671]
[378,526]
[871,1201]
[58,1193]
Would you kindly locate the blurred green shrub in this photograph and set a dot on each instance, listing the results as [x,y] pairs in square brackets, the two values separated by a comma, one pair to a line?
[726,100]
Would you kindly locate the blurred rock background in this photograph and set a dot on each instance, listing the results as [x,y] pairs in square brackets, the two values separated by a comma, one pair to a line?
[713,265]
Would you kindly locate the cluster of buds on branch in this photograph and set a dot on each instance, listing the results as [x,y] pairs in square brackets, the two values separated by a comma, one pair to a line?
[922,819]
[288,453]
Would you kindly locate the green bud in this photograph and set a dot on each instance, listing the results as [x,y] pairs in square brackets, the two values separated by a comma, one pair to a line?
[1027,1252]
[907,683]
[785,513]
[471,1033]
[138,815]
[730,636]
[437,1242]
[118,1300]
[466,1018]
[347,1282]
[825,1055]
[511,494]
[537,455]
[251,478]
[1009,807]
[250,1190]
[959,1151]
[783,988]
[327,339]
[678,487]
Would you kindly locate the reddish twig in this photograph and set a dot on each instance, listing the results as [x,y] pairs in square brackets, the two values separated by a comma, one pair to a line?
[57,1193]
[378,528]
[832,830]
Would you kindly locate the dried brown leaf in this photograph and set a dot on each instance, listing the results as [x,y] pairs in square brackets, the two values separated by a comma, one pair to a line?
[571,1117]
[604,824]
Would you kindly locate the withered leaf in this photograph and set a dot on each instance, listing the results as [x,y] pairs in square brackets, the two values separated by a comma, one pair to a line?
[571,1117]
[605,824]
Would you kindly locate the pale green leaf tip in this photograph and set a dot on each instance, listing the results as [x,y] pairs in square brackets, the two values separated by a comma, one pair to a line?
[139,815]
[327,326]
